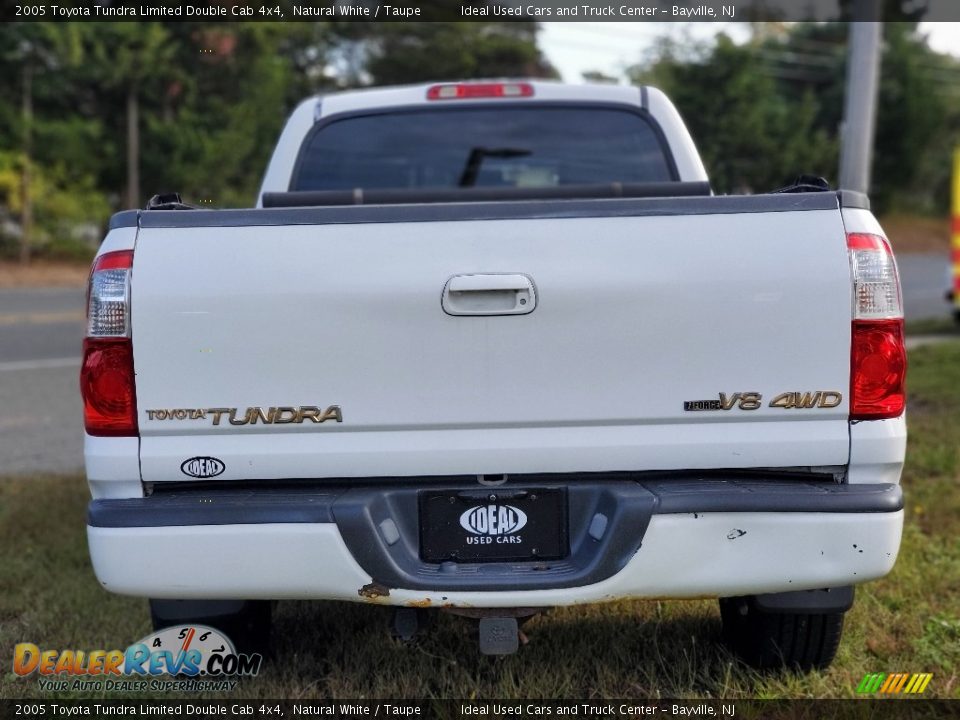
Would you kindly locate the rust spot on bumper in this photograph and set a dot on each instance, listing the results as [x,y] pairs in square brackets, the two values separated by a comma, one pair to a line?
[374,590]
[425,603]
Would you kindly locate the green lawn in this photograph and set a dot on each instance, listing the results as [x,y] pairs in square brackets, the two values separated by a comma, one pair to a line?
[907,622]
[944,326]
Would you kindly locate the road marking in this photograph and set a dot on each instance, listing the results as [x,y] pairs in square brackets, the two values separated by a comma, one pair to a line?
[40,364]
[42,318]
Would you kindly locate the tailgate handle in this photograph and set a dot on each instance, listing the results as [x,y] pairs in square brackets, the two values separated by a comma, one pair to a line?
[489,294]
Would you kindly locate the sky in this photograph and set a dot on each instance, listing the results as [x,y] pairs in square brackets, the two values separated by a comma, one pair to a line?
[609,47]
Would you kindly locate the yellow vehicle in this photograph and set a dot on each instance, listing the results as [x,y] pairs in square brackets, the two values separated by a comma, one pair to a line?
[954,293]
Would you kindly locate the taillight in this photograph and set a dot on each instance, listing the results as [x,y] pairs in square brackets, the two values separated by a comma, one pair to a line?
[878,358]
[106,376]
[467,91]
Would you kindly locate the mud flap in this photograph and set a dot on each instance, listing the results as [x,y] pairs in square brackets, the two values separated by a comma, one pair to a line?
[807,602]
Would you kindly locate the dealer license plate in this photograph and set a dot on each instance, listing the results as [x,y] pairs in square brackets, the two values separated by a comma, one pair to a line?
[493,525]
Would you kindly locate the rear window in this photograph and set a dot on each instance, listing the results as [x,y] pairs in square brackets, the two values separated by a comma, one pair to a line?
[483,147]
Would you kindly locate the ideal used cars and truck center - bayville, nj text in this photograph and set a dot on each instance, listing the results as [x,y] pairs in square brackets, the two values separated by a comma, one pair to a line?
[491,347]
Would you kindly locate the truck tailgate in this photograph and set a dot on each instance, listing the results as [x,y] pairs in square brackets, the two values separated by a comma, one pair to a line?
[636,312]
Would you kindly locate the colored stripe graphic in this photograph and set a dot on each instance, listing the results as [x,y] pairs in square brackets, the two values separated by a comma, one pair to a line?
[890,683]
[894,683]
[901,681]
[871,682]
[923,679]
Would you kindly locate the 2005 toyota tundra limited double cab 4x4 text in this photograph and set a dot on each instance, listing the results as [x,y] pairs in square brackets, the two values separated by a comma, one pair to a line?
[495,347]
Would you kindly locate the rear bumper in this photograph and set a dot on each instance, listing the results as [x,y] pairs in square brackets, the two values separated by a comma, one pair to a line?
[667,538]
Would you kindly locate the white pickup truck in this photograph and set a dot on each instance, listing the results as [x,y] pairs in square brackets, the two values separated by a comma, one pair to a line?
[495,347]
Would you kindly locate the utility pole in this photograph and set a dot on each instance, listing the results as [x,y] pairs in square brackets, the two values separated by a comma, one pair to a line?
[133,148]
[26,199]
[860,110]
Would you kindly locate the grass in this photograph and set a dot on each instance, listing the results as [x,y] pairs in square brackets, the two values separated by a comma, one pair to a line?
[907,622]
[917,233]
[44,273]
[945,325]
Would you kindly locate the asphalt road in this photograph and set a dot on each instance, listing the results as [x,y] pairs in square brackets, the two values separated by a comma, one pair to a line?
[41,331]
[41,426]
[925,279]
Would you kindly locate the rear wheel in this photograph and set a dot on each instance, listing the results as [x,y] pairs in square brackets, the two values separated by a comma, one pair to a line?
[774,640]
[245,622]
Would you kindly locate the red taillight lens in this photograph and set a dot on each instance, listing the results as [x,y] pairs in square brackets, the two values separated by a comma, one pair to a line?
[118,260]
[107,386]
[467,91]
[878,366]
[106,376]
[878,358]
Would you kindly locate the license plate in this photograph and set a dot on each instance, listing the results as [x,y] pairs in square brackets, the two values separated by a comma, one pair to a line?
[490,526]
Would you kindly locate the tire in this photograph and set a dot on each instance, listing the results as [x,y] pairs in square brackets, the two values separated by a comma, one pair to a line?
[246,622]
[780,640]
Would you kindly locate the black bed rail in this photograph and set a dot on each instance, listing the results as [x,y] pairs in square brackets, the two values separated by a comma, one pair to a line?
[399,196]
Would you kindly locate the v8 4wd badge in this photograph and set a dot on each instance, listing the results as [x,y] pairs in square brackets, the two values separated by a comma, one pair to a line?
[754,401]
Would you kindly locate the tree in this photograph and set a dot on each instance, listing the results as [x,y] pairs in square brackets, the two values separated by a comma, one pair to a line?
[215,123]
[752,139]
[916,103]
[398,53]
[33,59]
[132,59]
[913,123]
[119,111]
[770,108]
